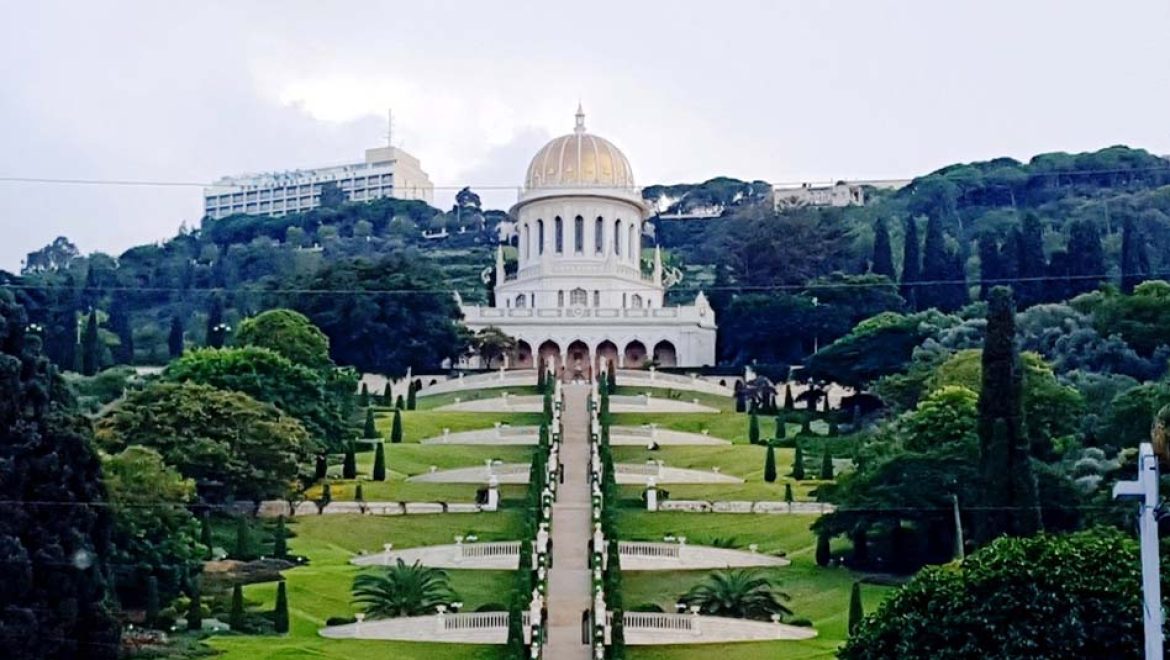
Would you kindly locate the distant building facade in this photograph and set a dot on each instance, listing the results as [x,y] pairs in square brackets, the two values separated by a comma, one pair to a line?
[386,172]
[841,193]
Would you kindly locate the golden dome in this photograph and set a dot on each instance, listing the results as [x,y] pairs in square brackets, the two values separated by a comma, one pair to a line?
[579,160]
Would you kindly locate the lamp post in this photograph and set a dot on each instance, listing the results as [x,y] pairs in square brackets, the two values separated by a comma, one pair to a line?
[1145,489]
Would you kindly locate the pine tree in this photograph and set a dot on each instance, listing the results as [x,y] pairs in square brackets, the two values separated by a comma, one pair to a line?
[152,600]
[911,264]
[770,464]
[364,397]
[789,402]
[788,493]
[195,606]
[175,338]
[1135,258]
[753,429]
[781,427]
[411,395]
[826,465]
[370,431]
[396,428]
[379,473]
[824,554]
[280,615]
[349,463]
[91,348]
[400,403]
[280,539]
[236,618]
[205,533]
[243,550]
[883,253]
[216,331]
[798,464]
[856,613]
[1010,503]
[321,468]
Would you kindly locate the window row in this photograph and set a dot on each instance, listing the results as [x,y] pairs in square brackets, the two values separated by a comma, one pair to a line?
[577,298]
[623,239]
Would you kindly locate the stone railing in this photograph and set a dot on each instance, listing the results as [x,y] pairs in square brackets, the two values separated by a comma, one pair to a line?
[493,549]
[745,506]
[649,549]
[476,620]
[655,378]
[645,470]
[515,431]
[646,431]
[514,468]
[498,378]
[659,621]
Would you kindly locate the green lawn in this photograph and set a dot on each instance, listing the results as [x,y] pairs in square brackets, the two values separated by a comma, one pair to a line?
[321,589]
[728,425]
[421,424]
[724,403]
[446,398]
[408,459]
[744,461]
[818,594]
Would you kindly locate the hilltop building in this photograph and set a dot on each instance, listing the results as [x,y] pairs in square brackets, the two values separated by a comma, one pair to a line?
[580,296]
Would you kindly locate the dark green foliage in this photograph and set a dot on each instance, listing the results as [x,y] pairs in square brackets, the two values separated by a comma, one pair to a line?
[91,346]
[739,593]
[789,402]
[411,396]
[245,548]
[205,533]
[548,405]
[402,590]
[911,264]
[1031,265]
[826,465]
[834,428]
[379,473]
[236,617]
[349,463]
[326,493]
[823,554]
[152,600]
[175,338]
[399,403]
[781,427]
[121,325]
[798,464]
[396,428]
[1135,257]
[280,614]
[611,378]
[883,254]
[369,430]
[320,467]
[788,493]
[216,331]
[280,539]
[195,605]
[387,398]
[357,493]
[290,334]
[364,397]
[1010,503]
[1086,257]
[806,425]
[754,429]
[770,464]
[856,611]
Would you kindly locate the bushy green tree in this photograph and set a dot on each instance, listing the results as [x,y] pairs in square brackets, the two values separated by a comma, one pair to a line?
[290,334]
[379,473]
[402,590]
[770,464]
[396,428]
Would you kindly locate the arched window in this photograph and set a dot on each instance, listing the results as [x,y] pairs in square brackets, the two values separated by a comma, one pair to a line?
[540,236]
[524,241]
[599,235]
[560,298]
[632,245]
[636,301]
[559,234]
[578,298]
[617,237]
[521,300]
[579,235]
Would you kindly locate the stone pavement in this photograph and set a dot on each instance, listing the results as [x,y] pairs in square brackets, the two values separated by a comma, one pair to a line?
[569,582]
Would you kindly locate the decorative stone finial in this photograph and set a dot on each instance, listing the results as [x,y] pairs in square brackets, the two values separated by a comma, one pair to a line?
[580,127]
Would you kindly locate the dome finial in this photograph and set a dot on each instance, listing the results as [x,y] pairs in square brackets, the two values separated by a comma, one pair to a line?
[580,127]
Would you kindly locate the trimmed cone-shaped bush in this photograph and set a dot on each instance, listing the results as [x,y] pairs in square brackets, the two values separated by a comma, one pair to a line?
[358,495]
[770,464]
[364,399]
[236,618]
[396,428]
[411,393]
[798,464]
[826,465]
[195,607]
[379,462]
[243,549]
[280,539]
[789,402]
[788,493]
[280,615]
[387,395]
[321,469]
[856,612]
[400,403]
[349,465]
[370,431]
[781,427]
[754,429]
[823,553]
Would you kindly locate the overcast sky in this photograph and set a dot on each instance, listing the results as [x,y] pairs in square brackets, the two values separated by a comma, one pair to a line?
[788,90]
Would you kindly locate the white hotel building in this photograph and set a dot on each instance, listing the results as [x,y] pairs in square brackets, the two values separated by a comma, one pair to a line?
[387,172]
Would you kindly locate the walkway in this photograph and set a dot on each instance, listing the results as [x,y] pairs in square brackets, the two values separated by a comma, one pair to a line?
[569,578]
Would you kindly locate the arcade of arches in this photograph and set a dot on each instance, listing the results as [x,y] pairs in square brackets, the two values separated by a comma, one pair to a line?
[578,358]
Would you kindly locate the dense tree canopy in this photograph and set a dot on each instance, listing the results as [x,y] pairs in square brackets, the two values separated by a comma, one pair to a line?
[288,333]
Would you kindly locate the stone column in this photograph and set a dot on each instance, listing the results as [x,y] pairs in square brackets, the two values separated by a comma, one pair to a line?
[493,499]
[651,494]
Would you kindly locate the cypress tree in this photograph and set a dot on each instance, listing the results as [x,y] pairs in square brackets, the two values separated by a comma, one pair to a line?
[770,464]
[883,253]
[236,619]
[175,338]
[1086,257]
[370,431]
[612,378]
[806,425]
[280,616]
[400,403]
[798,464]
[152,600]
[280,539]
[781,427]
[826,465]
[195,606]
[364,397]
[834,427]
[387,397]
[753,429]
[205,533]
[91,347]
[1031,266]
[956,294]
[788,493]
[789,402]
[411,394]
[1135,258]
[911,264]
[243,550]
[540,376]
[824,554]
[358,495]
[548,407]
[1010,502]
[121,325]
[935,266]
[216,332]
[856,613]
[326,493]
[321,467]
[990,264]
[379,462]
[396,428]
[349,463]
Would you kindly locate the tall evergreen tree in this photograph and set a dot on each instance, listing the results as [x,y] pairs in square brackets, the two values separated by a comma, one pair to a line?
[321,467]
[280,615]
[770,464]
[883,252]
[121,325]
[369,430]
[823,554]
[400,403]
[243,550]
[753,429]
[798,464]
[1135,258]
[788,493]
[91,346]
[349,463]
[216,332]
[911,264]
[175,337]
[396,428]
[411,396]
[280,539]
[379,473]
[826,465]
[236,617]
[205,537]
[1086,257]
[781,427]
[195,605]
[789,402]
[856,612]
[991,270]
[152,600]
[54,531]
[1031,265]
[364,396]
[935,268]
[1010,501]
[387,397]
[957,294]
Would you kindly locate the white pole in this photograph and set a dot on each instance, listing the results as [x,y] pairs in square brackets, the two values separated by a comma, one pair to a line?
[1145,488]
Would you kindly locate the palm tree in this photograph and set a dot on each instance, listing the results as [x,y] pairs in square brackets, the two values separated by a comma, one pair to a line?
[741,593]
[402,590]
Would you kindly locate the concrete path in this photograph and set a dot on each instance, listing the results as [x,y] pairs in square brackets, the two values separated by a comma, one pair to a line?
[568,587]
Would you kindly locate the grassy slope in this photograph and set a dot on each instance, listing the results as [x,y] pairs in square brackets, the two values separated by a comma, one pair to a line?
[819,594]
[744,461]
[321,589]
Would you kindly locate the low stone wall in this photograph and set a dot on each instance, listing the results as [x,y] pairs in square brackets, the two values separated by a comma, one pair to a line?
[743,506]
[274,508]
